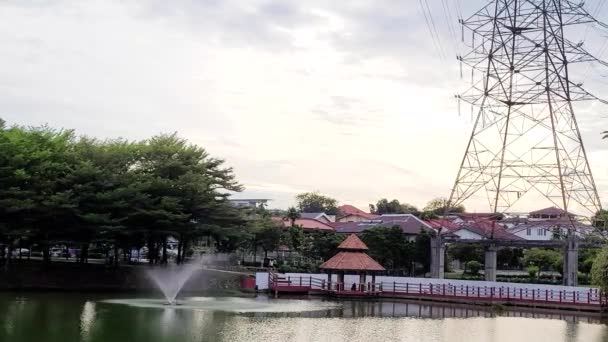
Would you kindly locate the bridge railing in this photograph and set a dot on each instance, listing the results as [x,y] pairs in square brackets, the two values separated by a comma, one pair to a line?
[592,296]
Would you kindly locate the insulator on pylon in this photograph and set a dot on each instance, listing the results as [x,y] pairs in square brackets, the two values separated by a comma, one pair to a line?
[461,69]
[462,31]
[472,76]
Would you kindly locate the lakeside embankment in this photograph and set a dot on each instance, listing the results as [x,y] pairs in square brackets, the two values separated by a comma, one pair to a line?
[62,276]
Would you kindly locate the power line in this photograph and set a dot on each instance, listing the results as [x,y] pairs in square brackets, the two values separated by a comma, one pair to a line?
[432,32]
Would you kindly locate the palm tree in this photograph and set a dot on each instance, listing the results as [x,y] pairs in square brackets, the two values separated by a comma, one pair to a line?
[292,214]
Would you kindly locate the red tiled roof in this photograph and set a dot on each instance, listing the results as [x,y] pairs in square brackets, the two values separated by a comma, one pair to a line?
[487,229]
[549,211]
[349,210]
[409,224]
[305,223]
[353,243]
[442,223]
[352,261]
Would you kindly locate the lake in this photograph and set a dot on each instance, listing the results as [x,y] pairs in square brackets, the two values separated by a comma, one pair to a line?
[69,317]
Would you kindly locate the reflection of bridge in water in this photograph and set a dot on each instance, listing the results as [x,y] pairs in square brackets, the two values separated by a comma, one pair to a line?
[415,309]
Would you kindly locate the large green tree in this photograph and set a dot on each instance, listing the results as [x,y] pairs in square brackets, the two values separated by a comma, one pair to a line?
[389,246]
[438,206]
[56,188]
[384,206]
[314,202]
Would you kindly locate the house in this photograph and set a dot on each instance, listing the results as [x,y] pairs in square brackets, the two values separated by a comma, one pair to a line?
[349,213]
[409,224]
[323,217]
[249,202]
[307,224]
[473,229]
[544,230]
[549,214]
[546,224]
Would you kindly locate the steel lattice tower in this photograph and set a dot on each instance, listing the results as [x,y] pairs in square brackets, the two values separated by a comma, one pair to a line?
[525,137]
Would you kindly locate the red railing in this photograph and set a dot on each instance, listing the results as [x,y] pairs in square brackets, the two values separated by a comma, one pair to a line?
[593,297]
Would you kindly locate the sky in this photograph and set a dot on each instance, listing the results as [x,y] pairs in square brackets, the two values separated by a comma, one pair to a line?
[353,99]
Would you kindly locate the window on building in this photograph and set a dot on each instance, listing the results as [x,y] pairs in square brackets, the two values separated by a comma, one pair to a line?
[528,231]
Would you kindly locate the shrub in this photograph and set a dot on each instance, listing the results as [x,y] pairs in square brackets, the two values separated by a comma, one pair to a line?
[473,267]
[532,271]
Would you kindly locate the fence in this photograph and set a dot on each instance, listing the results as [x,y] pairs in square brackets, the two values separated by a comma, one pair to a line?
[521,293]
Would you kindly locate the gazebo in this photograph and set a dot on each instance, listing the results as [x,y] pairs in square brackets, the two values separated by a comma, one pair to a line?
[352,258]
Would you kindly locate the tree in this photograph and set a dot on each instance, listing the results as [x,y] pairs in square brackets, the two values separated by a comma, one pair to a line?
[269,238]
[544,259]
[292,215]
[438,205]
[383,206]
[466,252]
[389,247]
[322,245]
[117,194]
[295,238]
[599,270]
[422,250]
[473,267]
[314,202]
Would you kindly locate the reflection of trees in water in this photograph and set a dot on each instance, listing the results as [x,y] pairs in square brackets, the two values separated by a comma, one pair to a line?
[64,318]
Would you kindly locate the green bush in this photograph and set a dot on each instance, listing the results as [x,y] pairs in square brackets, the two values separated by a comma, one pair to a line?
[532,271]
[599,270]
[473,267]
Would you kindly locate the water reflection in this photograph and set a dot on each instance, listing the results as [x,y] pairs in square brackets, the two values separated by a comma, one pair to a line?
[87,318]
[62,317]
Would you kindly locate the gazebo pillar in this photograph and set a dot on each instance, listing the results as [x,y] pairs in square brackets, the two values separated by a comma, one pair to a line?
[374,281]
[362,281]
[340,280]
[329,279]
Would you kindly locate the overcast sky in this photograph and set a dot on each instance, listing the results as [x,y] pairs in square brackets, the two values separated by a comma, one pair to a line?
[350,98]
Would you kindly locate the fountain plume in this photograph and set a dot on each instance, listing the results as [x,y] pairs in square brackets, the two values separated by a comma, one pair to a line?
[171,279]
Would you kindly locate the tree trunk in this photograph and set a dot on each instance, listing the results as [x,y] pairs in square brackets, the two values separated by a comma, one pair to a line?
[10,253]
[116,256]
[164,257]
[255,255]
[150,251]
[179,252]
[46,253]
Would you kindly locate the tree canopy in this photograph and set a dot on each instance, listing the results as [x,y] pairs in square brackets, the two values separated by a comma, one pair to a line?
[314,202]
[438,205]
[58,187]
[383,206]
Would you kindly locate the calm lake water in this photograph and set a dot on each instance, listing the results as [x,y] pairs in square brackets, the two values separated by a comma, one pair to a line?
[62,317]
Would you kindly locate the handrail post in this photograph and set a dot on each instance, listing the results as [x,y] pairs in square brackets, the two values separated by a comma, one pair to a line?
[420,286]
[393,287]
[407,288]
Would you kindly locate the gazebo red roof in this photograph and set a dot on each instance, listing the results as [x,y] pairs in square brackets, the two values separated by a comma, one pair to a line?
[353,243]
[351,257]
[352,261]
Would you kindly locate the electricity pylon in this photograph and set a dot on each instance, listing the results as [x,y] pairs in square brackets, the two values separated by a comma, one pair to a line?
[525,138]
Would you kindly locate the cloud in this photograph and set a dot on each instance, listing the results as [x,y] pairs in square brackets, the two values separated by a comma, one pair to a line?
[349,98]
